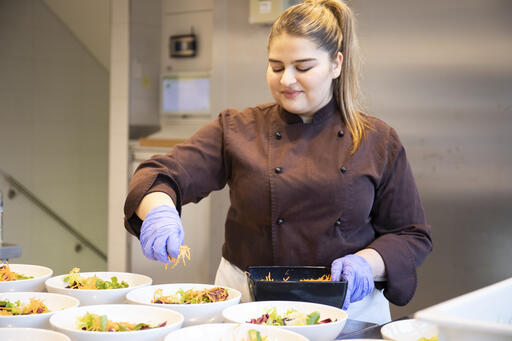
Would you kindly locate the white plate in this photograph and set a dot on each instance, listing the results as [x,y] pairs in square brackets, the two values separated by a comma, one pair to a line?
[54,302]
[66,322]
[244,312]
[231,332]
[32,334]
[40,274]
[193,313]
[408,330]
[103,296]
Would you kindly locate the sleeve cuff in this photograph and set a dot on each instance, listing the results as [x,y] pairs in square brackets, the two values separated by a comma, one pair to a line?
[400,268]
[132,222]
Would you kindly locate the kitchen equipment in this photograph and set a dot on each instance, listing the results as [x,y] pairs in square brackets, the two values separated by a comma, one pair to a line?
[286,284]
[484,314]
[7,250]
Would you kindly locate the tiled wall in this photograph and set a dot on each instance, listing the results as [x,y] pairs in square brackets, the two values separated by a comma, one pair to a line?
[53,136]
[145,33]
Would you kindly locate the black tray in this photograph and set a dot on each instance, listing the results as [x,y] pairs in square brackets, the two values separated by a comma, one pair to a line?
[330,293]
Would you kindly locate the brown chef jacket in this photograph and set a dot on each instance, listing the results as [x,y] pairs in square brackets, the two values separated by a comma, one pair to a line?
[298,195]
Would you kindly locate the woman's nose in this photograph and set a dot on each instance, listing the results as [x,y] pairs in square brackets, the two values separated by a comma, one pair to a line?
[288,77]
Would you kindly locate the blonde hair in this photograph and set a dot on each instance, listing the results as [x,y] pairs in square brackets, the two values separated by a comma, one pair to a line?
[330,24]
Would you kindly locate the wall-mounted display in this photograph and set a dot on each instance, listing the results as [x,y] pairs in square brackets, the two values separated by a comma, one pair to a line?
[185,94]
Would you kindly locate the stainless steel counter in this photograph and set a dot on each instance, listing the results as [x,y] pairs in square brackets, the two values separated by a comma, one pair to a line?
[354,329]
[362,330]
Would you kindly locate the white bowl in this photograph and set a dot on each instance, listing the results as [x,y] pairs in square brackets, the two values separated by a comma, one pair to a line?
[103,296]
[40,274]
[408,330]
[32,334]
[67,322]
[54,302]
[231,332]
[244,312]
[193,313]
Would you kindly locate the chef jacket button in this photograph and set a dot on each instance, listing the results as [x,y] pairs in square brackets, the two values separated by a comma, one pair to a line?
[280,221]
[338,222]
[341,133]
[278,135]
[343,170]
[278,170]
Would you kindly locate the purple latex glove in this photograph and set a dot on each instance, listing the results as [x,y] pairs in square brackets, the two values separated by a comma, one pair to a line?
[358,273]
[161,234]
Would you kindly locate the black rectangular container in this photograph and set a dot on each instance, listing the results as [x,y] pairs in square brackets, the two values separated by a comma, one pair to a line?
[330,293]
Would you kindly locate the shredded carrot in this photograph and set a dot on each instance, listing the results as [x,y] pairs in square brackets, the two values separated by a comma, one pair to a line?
[183,257]
[7,275]
[191,296]
[324,278]
[36,306]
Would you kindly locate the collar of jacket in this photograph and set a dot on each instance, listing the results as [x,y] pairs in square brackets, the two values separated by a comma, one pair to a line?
[321,115]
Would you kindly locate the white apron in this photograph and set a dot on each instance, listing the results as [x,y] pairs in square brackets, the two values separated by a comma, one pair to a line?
[373,308]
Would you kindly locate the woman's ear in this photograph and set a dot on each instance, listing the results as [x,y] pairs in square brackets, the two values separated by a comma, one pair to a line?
[336,65]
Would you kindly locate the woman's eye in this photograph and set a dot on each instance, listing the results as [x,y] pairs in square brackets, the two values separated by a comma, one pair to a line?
[278,70]
[300,69]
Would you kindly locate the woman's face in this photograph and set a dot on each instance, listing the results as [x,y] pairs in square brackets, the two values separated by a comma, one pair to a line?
[300,75]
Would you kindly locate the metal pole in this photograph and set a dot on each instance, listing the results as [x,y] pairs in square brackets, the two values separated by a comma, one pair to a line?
[1,217]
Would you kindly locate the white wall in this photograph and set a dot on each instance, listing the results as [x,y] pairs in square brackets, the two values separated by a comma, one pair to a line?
[78,15]
[53,136]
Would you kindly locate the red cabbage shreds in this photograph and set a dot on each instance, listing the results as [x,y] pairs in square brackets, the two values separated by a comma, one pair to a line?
[327,320]
[262,319]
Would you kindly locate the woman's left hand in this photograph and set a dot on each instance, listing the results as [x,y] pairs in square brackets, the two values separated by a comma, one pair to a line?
[358,273]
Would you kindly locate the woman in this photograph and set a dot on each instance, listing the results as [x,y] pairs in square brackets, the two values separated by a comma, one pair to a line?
[313,180]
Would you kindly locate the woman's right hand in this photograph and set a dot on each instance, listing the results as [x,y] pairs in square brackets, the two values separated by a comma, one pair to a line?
[161,234]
